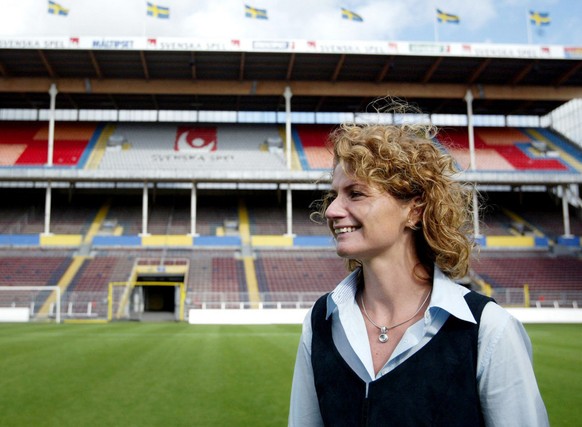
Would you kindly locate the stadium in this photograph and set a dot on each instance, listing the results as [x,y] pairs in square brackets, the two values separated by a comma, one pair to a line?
[152,181]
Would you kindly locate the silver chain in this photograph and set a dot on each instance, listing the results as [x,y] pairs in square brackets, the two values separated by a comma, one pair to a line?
[384,329]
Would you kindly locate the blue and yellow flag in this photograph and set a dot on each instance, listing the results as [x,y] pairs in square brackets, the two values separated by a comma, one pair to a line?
[157,11]
[254,13]
[351,16]
[447,17]
[539,18]
[57,9]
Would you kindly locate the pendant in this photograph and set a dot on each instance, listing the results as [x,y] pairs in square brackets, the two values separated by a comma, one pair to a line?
[383,337]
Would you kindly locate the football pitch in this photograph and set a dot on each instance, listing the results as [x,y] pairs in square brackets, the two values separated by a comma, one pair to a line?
[176,374]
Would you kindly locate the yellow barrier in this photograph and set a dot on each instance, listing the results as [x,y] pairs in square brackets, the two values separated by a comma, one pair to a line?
[169,240]
[510,241]
[61,239]
[272,241]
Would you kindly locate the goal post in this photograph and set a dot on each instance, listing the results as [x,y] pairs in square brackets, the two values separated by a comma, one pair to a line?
[118,296]
[26,303]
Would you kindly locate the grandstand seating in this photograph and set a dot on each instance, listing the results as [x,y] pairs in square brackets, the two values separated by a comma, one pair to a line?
[267,216]
[13,219]
[33,269]
[311,146]
[506,149]
[303,225]
[208,147]
[87,293]
[96,273]
[126,213]
[26,143]
[212,212]
[536,271]
[552,225]
[293,272]
[30,268]
[245,147]
[539,211]
[21,211]
[169,218]
[220,274]
[227,275]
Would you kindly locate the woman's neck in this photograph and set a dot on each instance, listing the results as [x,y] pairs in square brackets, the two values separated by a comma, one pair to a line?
[394,287]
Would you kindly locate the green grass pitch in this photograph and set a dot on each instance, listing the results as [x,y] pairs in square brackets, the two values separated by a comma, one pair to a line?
[176,374]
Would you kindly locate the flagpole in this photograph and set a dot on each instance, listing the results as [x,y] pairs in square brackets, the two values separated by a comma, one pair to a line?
[144,22]
[528,27]
[436,24]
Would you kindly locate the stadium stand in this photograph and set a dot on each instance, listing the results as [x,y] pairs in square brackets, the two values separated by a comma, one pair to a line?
[307,271]
[538,212]
[531,279]
[242,254]
[20,268]
[245,147]
[538,272]
[512,149]
[34,268]
[96,273]
[171,146]
[26,143]
[218,277]
[310,142]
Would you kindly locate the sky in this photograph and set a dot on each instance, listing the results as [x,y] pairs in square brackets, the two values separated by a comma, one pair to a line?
[480,21]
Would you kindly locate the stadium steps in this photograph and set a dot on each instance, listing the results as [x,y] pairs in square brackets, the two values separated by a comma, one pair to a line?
[96,224]
[78,260]
[519,220]
[98,150]
[556,145]
[247,257]
[64,282]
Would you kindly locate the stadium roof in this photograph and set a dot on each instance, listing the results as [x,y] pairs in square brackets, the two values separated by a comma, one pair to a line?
[250,75]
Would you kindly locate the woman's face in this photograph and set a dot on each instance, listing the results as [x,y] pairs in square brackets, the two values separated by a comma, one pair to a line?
[366,221]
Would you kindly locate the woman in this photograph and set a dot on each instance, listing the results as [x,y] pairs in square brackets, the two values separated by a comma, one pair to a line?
[398,342]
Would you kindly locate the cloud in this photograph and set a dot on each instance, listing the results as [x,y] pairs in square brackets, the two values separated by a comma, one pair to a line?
[23,17]
[501,21]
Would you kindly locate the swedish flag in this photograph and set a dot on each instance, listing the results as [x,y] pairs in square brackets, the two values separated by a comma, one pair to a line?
[57,9]
[447,17]
[351,16]
[157,11]
[539,18]
[254,13]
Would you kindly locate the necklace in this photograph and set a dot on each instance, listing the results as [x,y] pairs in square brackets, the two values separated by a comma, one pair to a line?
[383,337]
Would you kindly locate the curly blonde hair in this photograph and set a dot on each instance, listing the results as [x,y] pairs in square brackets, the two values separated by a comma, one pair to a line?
[404,161]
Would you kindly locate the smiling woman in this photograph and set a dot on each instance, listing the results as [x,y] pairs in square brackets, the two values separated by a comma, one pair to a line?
[398,328]
[404,163]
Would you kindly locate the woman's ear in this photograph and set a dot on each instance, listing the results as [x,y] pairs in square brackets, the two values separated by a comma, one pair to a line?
[415,213]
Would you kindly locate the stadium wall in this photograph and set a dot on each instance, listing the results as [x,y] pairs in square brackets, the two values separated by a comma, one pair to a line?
[296,316]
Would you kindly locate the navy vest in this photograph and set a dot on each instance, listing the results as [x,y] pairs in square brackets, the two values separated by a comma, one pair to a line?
[436,386]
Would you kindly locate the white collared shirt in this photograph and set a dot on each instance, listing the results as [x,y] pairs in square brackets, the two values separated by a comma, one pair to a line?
[508,389]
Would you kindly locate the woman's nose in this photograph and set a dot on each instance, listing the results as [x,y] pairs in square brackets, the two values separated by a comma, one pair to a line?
[334,209]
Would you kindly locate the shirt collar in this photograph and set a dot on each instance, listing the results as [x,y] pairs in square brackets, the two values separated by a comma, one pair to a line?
[450,296]
[344,293]
[446,295]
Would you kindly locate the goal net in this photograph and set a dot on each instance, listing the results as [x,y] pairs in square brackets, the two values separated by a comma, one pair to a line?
[30,303]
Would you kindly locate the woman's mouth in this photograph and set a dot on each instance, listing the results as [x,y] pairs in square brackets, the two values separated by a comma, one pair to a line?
[343,230]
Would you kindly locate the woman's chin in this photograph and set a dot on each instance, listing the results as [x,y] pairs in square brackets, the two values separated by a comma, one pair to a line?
[343,252]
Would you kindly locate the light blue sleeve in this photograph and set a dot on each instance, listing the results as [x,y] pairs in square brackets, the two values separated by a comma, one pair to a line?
[508,388]
[304,406]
